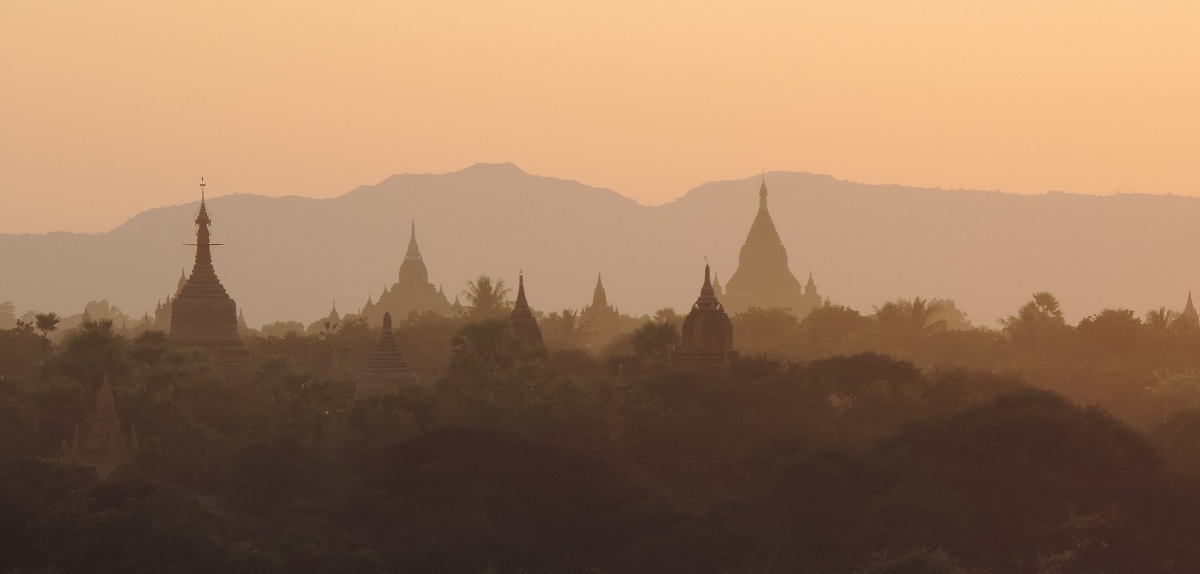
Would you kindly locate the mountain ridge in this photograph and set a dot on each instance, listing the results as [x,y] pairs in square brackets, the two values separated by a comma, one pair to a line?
[288,257]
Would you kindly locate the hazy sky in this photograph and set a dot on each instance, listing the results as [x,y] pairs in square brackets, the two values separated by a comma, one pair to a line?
[110,108]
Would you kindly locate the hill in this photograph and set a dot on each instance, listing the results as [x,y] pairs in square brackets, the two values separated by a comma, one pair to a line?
[290,257]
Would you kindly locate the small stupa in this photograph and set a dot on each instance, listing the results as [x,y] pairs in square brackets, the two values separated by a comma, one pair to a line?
[524,324]
[387,370]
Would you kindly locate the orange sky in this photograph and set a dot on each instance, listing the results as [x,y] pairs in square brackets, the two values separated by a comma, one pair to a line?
[110,108]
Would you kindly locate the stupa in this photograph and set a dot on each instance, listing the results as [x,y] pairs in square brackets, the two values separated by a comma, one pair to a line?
[762,278]
[204,316]
[386,370]
[524,324]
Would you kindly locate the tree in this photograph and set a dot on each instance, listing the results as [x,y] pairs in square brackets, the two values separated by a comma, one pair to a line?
[1112,330]
[770,331]
[667,315]
[912,318]
[486,297]
[8,315]
[1038,322]
[1158,320]
[92,352]
[47,322]
[654,339]
[948,311]
[564,330]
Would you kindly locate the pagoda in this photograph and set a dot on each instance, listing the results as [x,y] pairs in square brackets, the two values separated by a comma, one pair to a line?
[762,278]
[1188,320]
[524,324]
[412,291]
[104,446]
[204,316]
[706,339]
[386,370]
[600,321]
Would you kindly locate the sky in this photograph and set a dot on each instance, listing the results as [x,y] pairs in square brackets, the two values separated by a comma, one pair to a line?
[108,109]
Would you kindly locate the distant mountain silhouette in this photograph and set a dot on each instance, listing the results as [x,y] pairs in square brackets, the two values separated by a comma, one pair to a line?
[290,257]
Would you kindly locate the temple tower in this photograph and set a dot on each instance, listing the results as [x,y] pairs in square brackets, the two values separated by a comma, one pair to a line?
[706,338]
[412,291]
[762,278]
[1188,320]
[104,446]
[523,322]
[600,321]
[386,370]
[204,316]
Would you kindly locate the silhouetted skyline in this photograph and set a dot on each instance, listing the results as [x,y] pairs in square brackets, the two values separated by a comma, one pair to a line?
[864,245]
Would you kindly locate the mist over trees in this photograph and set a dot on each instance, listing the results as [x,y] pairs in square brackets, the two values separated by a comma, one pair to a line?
[907,439]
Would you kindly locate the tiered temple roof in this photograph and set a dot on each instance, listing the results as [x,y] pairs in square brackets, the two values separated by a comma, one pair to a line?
[523,322]
[601,321]
[706,338]
[762,278]
[412,291]
[386,370]
[1188,320]
[204,316]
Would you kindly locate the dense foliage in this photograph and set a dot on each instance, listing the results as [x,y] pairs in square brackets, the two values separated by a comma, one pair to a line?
[837,443]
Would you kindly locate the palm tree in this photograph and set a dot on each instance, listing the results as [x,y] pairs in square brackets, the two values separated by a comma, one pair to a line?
[93,351]
[487,298]
[667,316]
[1159,320]
[914,317]
[47,322]
[1036,321]
[565,329]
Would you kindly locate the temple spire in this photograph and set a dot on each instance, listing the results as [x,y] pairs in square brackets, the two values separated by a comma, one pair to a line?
[521,303]
[203,265]
[414,253]
[707,290]
[522,320]
[599,297]
[203,315]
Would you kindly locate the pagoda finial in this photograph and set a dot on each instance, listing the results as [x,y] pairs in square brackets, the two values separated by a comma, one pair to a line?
[707,289]
[521,302]
[414,253]
[202,217]
[599,297]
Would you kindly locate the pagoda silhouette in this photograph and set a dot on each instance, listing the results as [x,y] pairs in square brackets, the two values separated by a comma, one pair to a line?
[412,292]
[706,338]
[204,316]
[762,278]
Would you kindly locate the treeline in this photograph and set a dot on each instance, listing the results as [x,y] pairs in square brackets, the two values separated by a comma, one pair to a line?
[836,443]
